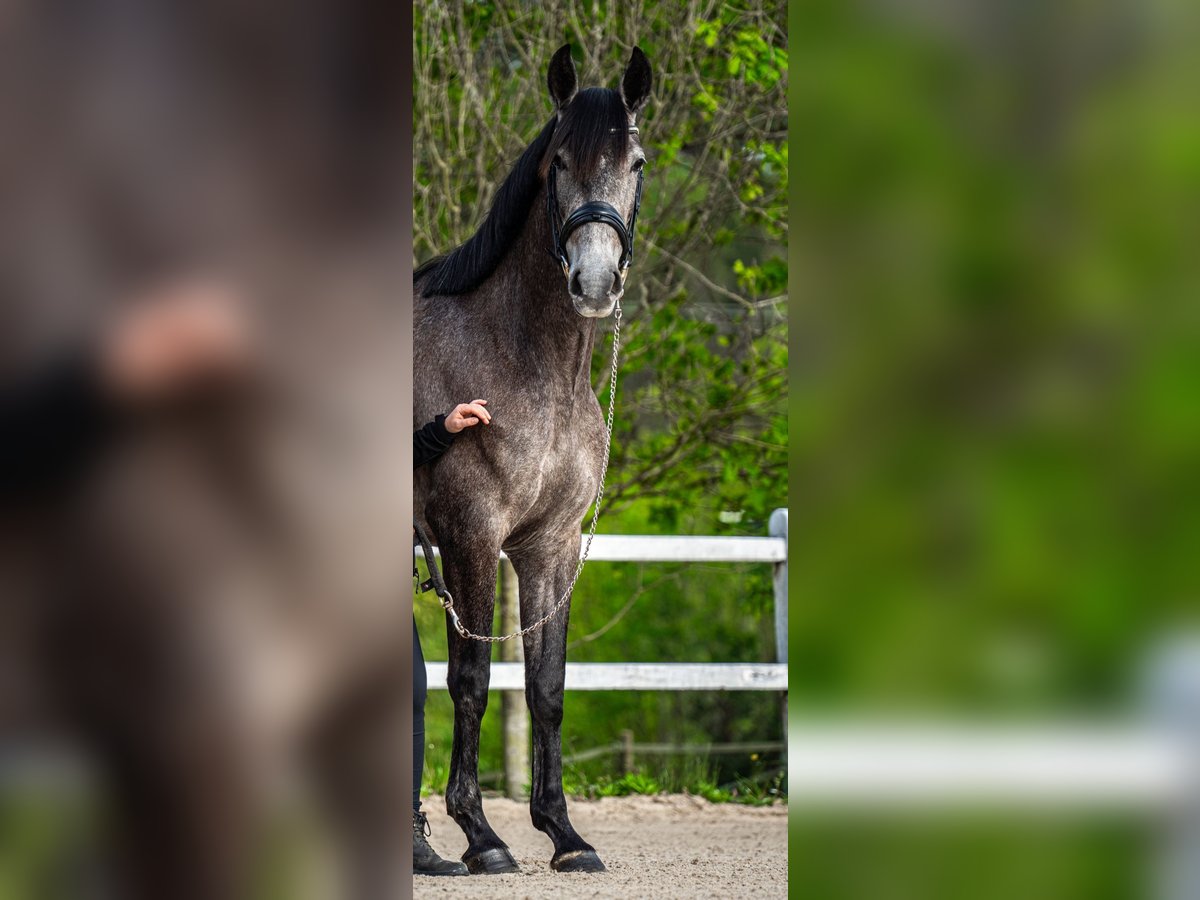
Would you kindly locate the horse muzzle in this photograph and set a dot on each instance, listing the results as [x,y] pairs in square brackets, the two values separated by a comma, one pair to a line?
[595,290]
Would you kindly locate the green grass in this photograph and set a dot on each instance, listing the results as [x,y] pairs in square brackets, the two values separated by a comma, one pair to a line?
[750,791]
[765,784]
[757,780]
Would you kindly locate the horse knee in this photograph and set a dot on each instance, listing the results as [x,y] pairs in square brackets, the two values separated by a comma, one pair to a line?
[545,701]
[468,689]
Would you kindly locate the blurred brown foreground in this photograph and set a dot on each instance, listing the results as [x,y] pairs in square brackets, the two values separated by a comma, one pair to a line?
[203,564]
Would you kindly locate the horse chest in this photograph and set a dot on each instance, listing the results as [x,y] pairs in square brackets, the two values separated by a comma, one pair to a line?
[562,457]
[570,461]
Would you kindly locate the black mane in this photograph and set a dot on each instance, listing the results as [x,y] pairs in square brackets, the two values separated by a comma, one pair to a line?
[594,124]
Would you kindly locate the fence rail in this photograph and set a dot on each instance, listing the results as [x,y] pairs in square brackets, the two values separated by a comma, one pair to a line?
[510,676]
[681,548]
[938,766]
[673,676]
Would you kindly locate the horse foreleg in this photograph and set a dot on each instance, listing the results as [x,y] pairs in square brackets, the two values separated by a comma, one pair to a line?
[542,580]
[473,583]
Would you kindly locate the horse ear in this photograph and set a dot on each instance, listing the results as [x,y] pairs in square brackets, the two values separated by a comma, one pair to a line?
[635,85]
[561,77]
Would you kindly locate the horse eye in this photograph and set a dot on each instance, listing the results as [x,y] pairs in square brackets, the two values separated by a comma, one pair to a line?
[638,165]
[559,163]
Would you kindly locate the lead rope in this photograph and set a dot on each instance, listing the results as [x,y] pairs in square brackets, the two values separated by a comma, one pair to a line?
[435,580]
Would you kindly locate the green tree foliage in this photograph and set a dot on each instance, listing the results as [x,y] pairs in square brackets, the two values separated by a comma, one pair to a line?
[994,440]
[996,284]
[701,435]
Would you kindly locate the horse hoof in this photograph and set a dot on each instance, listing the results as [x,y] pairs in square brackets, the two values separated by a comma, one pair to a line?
[496,861]
[577,861]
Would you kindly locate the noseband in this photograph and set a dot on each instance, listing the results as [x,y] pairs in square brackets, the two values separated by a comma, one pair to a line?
[592,211]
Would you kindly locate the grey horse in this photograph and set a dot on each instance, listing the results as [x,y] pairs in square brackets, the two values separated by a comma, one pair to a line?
[511,315]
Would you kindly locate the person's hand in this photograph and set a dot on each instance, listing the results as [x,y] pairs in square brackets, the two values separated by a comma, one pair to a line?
[467,414]
[176,339]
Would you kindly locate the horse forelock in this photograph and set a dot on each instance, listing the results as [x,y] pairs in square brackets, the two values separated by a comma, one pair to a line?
[593,127]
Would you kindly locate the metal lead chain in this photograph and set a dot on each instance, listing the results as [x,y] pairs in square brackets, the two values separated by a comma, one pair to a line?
[448,600]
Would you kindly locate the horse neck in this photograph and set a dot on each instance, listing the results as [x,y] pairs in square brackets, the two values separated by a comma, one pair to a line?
[532,294]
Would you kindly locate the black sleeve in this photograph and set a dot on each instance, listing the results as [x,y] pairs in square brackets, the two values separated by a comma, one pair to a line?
[52,424]
[431,442]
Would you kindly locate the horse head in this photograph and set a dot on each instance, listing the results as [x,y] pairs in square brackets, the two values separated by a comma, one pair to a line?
[593,170]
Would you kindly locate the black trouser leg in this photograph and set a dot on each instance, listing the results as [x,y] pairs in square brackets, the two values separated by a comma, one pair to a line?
[419,691]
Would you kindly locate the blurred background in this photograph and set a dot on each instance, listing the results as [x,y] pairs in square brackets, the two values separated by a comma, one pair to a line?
[204,338]
[993,432]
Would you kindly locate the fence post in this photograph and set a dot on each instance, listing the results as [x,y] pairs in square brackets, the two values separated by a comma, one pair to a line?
[516,714]
[778,527]
[1172,698]
[627,751]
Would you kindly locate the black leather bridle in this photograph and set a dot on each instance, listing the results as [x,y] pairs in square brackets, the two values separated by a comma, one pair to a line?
[592,211]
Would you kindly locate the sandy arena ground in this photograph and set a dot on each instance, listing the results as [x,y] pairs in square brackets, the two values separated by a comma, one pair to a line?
[660,847]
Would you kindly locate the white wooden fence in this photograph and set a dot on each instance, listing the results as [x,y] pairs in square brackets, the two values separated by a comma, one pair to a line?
[508,674]
[674,676]
[1150,767]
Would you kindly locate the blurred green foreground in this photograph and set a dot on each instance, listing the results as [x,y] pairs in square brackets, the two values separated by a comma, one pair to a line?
[995,445]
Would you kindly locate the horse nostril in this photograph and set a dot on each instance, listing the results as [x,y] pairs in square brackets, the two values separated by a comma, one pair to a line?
[616,285]
[574,286]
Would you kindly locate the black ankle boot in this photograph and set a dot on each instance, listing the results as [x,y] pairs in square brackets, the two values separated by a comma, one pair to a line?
[425,858]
